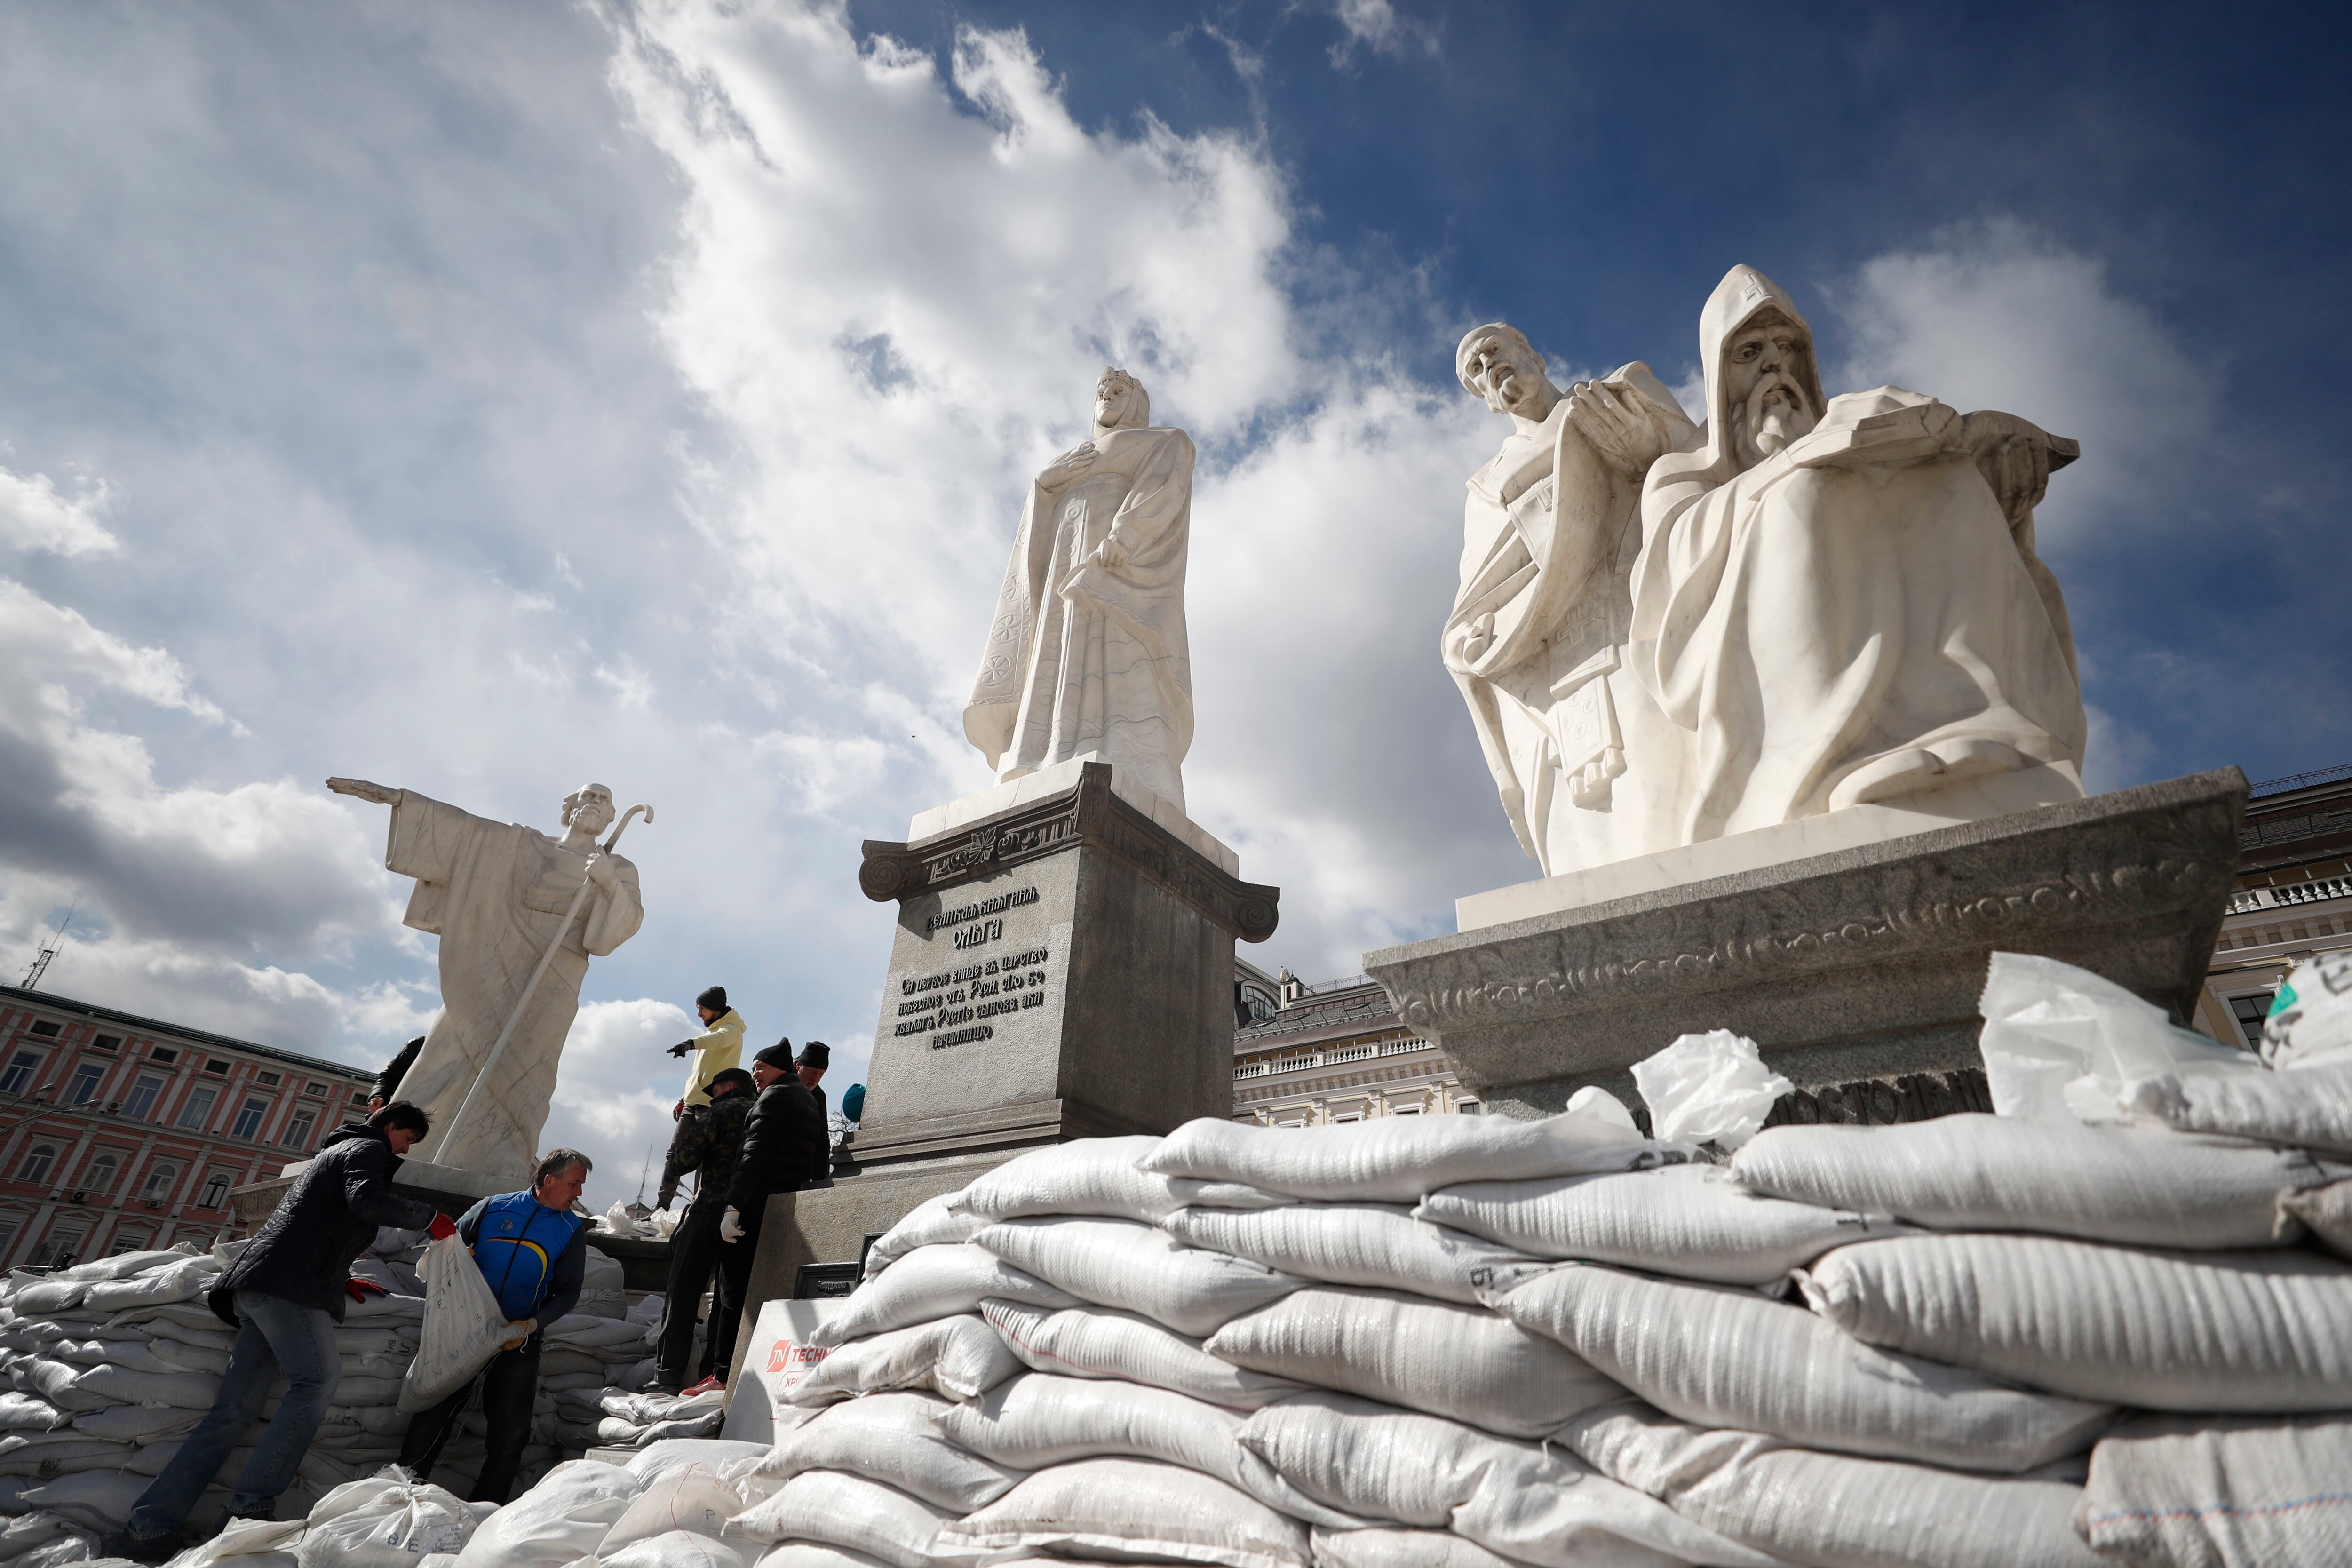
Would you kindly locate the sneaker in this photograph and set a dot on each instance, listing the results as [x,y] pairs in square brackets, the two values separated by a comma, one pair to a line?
[145,1549]
[713,1381]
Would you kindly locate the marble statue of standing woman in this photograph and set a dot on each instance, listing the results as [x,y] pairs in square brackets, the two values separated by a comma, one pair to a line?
[497,894]
[1087,654]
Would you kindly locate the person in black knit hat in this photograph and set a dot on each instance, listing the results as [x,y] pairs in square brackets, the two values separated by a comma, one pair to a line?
[786,1147]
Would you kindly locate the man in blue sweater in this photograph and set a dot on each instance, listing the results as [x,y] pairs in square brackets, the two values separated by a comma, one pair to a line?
[529,1246]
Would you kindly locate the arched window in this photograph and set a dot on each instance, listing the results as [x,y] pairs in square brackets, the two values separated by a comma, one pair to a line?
[37,1161]
[158,1182]
[215,1192]
[98,1180]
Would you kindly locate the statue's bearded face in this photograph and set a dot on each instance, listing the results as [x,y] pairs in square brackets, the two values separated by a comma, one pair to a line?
[1763,368]
[1503,370]
[589,808]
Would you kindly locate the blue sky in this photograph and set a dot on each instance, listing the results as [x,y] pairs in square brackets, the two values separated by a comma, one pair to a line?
[482,399]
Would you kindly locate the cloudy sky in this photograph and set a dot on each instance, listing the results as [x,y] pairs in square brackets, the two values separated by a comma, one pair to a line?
[482,399]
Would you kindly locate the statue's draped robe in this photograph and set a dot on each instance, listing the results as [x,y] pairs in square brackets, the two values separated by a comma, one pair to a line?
[1588,768]
[495,892]
[1089,660]
[1852,619]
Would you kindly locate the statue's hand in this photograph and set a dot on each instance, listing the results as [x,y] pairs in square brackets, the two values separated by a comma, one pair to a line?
[1111,553]
[1614,423]
[1474,640]
[1069,467]
[602,873]
[2014,458]
[365,791]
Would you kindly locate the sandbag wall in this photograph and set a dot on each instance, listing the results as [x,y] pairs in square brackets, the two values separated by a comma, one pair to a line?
[109,1364]
[1973,1342]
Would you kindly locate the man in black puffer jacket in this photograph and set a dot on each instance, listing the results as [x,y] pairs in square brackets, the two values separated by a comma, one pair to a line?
[786,1147]
[286,1293]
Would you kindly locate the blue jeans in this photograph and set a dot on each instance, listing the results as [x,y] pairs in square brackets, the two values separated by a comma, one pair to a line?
[271,1333]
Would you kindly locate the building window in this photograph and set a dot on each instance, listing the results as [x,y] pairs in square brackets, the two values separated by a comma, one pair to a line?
[37,1161]
[144,1095]
[2250,1012]
[217,1066]
[1468,1108]
[98,1180]
[159,1184]
[1404,1110]
[9,1224]
[21,1068]
[163,1054]
[298,1128]
[60,1248]
[84,1088]
[46,1029]
[248,1121]
[199,1108]
[315,1090]
[215,1192]
[105,1042]
[266,1080]
[127,1241]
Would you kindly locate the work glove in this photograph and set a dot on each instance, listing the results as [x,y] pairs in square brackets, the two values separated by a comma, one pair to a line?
[442,1228]
[680,1049]
[730,1225]
[360,1289]
[521,1331]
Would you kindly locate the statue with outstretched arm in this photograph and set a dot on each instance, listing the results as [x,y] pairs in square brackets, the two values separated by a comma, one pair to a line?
[519,913]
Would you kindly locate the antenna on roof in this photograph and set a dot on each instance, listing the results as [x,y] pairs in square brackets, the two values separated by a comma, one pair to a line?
[56,939]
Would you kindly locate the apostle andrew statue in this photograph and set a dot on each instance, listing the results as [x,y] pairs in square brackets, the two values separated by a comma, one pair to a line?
[1839,599]
[495,892]
[1588,770]
[1087,652]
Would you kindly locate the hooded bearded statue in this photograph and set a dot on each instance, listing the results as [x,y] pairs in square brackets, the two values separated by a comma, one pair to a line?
[1087,652]
[1839,599]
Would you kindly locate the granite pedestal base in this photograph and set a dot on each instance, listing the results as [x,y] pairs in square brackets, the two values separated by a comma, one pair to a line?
[1062,968]
[1852,968]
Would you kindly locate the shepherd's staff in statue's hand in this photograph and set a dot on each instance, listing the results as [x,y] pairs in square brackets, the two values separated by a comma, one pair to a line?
[600,874]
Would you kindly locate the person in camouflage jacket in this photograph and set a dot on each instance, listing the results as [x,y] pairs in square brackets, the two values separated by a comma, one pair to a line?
[708,1137]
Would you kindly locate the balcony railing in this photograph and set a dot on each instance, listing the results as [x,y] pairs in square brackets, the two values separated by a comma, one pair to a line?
[2316,890]
[1331,1056]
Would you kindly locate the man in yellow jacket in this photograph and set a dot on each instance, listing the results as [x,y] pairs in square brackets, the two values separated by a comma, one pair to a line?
[714,1051]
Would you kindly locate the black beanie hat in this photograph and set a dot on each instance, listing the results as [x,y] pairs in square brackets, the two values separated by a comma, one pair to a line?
[779,1056]
[816,1054]
[715,998]
[732,1077]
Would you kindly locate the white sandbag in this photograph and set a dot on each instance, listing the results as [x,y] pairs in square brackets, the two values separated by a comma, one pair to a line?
[463,1327]
[1380,1548]
[680,1453]
[835,1509]
[249,1544]
[1093,1176]
[556,1523]
[931,1282]
[893,1438]
[2306,1108]
[674,1548]
[383,1521]
[101,1500]
[122,1266]
[1095,1343]
[1120,1263]
[1433,1356]
[121,1385]
[26,1413]
[1535,1504]
[934,1222]
[1709,1089]
[1804,1506]
[2311,1014]
[1692,1221]
[1719,1356]
[1133,1511]
[140,1422]
[47,1298]
[2186,1331]
[21,1534]
[56,1382]
[2174,1492]
[1037,1421]
[2326,1212]
[809,1554]
[2060,1043]
[1379,1245]
[961,1357]
[691,1498]
[183,1280]
[1401,1159]
[2146,1186]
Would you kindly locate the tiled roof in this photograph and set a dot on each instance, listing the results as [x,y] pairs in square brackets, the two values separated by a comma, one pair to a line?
[158,1027]
[1364,1006]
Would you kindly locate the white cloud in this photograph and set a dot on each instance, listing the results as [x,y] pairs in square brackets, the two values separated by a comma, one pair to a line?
[33,516]
[605,1103]
[1376,25]
[1998,315]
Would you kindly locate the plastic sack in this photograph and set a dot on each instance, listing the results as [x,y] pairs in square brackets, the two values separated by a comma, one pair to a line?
[463,1326]
[1401,1158]
[383,1521]
[936,1281]
[833,1509]
[2181,1491]
[2310,1016]
[674,1549]
[2308,1106]
[692,1498]
[893,1438]
[1121,1263]
[558,1522]
[1133,1511]
[1095,1176]
[1083,1342]
[1378,1548]
[934,1222]
[1377,1245]
[1709,1089]
[1855,1511]
[2061,1042]
[960,1357]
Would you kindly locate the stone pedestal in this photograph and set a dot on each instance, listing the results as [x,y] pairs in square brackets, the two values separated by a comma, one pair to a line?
[1855,969]
[1062,968]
